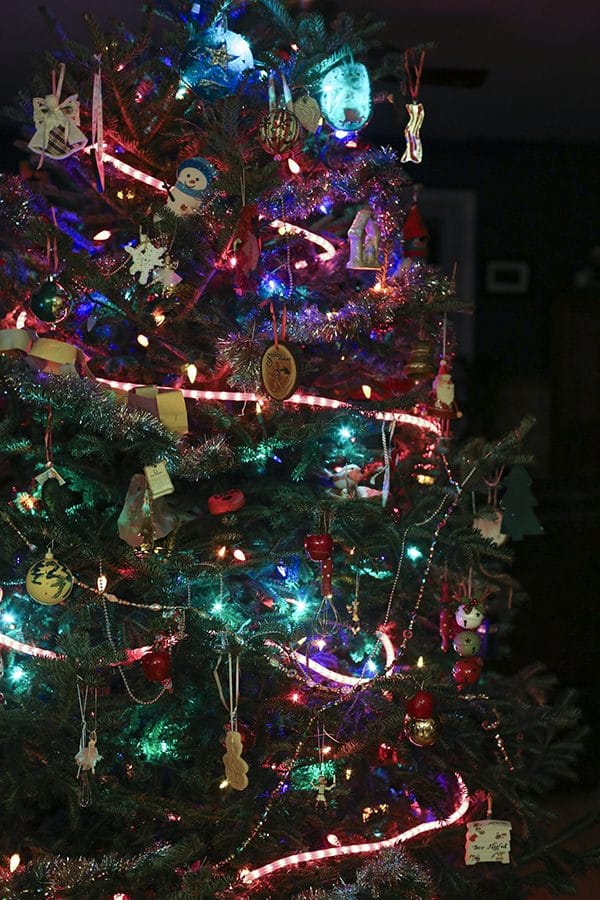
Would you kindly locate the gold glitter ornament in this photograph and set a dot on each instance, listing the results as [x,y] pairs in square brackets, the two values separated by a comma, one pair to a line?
[420,732]
[48,581]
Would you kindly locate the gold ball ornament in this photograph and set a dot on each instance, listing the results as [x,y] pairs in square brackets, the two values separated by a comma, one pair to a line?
[420,732]
[48,581]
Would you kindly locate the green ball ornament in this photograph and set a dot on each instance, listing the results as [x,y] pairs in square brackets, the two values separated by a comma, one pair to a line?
[51,303]
[48,581]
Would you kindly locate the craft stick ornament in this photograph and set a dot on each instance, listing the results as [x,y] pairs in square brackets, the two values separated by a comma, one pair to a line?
[236,768]
[416,113]
[87,756]
[57,132]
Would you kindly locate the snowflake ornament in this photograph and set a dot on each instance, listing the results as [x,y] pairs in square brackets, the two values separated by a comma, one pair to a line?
[145,257]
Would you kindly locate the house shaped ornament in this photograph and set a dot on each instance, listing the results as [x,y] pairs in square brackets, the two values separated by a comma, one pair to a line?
[364,237]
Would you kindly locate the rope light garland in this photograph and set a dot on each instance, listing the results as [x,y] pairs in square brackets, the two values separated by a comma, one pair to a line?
[296,399]
[249,876]
[346,680]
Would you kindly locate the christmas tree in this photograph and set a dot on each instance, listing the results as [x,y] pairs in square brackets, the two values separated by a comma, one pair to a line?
[251,623]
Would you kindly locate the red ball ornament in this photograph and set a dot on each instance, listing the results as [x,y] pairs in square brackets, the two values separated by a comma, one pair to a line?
[467,671]
[318,546]
[420,706]
[279,132]
[156,665]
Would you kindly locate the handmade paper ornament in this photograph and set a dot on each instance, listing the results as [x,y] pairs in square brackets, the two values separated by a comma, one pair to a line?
[57,133]
[466,643]
[219,504]
[187,196]
[345,96]
[279,371]
[420,732]
[487,840]
[156,665]
[49,581]
[420,366]
[489,525]
[145,256]
[143,519]
[363,236]
[50,303]
[279,131]
[308,112]
[518,504]
[213,62]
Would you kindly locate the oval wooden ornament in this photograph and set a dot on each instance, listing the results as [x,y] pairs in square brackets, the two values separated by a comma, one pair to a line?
[279,371]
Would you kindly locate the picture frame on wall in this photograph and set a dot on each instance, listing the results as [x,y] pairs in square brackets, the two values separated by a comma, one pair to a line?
[507,276]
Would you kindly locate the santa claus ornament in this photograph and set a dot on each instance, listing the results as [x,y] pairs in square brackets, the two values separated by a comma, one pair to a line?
[442,404]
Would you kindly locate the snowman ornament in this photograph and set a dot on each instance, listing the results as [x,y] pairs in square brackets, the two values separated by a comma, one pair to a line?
[187,194]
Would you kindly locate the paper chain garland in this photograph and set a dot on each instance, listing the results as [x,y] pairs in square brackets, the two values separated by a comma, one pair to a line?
[52,355]
[249,876]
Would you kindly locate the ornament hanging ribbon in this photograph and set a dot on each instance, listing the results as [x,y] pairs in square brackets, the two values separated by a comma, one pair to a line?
[98,126]
[57,133]
[285,101]
[236,769]
[416,113]
[52,246]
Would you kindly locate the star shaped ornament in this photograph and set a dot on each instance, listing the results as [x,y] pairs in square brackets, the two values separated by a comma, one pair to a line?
[220,56]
